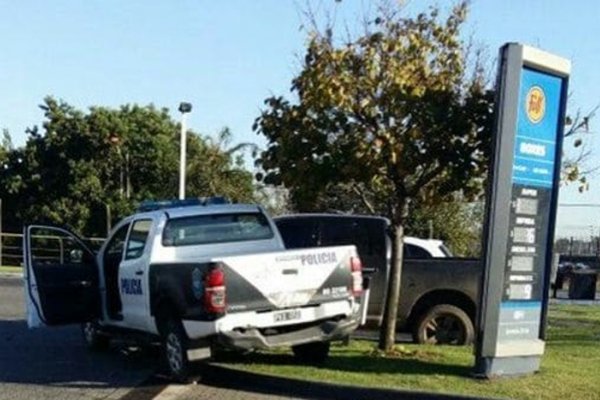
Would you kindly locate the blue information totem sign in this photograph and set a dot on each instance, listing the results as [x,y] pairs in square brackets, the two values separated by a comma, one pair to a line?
[522,199]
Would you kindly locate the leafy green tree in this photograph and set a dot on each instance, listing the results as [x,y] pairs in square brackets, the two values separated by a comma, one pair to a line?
[395,113]
[81,164]
[217,167]
[456,222]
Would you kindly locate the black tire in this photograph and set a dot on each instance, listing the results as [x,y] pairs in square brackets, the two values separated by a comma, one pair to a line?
[445,324]
[175,346]
[94,338]
[312,353]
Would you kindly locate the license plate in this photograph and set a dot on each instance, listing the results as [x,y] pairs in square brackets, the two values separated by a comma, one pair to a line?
[288,315]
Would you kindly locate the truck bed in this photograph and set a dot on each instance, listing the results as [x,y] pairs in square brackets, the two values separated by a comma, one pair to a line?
[456,278]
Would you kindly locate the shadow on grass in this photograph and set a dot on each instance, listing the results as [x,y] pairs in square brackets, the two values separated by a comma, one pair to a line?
[364,364]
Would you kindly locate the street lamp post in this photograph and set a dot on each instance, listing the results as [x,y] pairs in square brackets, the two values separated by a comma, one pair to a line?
[184,108]
[116,141]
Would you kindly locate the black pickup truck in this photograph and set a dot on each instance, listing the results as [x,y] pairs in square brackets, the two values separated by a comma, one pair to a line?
[438,296]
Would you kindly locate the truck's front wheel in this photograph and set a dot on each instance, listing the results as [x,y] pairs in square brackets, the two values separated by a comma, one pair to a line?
[445,324]
[312,353]
[175,345]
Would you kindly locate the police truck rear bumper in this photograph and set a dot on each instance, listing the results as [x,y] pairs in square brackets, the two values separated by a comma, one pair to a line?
[328,321]
[320,331]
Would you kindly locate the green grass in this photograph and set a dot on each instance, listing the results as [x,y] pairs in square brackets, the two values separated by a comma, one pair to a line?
[570,367]
[10,269]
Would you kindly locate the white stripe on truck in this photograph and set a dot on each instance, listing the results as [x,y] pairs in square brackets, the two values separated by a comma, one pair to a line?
[290,278]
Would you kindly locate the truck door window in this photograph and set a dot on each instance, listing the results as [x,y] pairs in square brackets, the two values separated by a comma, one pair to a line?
[138,238]
[55,247]
[114,248]
[112,259]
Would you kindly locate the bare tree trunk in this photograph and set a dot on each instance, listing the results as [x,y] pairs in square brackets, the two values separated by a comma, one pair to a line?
[387,335]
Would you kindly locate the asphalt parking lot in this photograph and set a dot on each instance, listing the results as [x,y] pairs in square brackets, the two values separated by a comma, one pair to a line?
[54,364]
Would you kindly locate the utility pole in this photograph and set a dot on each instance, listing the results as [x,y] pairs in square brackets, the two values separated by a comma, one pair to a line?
[184,108]
[120,171]
[0,232]
[116,141]
[108,219]
[571,246]
[127,180]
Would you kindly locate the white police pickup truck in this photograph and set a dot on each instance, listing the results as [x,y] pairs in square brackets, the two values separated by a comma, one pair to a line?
[197,278]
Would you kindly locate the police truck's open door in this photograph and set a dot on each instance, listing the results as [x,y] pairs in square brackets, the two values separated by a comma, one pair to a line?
[61,277]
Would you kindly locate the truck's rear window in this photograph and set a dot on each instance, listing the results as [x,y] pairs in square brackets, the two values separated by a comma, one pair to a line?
[216,228]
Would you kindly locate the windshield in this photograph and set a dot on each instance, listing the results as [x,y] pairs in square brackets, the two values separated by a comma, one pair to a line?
[219,228]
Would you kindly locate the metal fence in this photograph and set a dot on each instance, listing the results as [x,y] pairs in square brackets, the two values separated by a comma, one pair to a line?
[578,246]
[11,247]
[54,249]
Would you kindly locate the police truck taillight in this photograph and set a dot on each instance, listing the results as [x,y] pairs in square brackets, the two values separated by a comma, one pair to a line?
[214,291]
[357,282]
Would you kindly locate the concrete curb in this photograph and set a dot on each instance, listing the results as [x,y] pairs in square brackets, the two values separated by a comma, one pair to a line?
[225,377]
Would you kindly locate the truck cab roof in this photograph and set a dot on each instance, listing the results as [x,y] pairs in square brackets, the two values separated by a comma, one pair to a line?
[187,211]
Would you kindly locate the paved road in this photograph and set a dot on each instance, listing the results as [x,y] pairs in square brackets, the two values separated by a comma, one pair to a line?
[54,364]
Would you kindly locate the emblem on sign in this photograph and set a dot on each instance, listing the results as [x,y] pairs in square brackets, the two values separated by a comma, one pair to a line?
[535,104]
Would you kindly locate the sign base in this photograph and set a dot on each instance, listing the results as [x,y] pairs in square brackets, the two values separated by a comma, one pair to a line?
[496,367]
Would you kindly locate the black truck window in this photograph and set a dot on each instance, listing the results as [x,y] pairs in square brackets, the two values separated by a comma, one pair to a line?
[367,234]
[298,234]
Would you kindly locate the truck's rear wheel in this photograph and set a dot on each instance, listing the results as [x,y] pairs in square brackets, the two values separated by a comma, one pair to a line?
[94,339]
[175,345]
[445,324]
[312,353]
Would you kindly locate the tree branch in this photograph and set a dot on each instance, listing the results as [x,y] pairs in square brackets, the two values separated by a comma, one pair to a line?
[363,198]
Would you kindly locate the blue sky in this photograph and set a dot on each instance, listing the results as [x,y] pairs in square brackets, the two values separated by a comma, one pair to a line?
[226,57]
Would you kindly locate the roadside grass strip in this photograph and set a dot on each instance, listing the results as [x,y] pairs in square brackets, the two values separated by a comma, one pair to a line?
[570,366]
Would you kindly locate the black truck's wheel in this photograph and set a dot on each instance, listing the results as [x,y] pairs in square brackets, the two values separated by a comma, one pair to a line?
[175,346]
[312,353]
[94,339]
[445,324]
